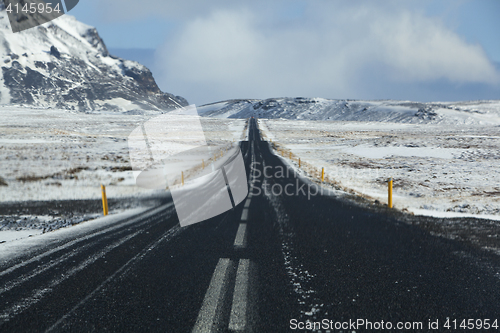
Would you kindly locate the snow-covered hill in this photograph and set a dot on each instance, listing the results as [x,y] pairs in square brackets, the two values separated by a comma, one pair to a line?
[65,64]
[475,112]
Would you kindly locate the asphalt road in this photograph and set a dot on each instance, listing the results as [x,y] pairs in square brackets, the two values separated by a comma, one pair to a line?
[282,257]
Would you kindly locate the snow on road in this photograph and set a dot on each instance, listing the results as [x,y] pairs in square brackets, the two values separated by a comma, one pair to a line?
[17,243]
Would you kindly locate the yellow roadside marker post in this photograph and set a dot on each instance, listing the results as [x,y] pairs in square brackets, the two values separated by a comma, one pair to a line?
[290,155]
[389,188]
[299,162]
[322,174]
[104,200]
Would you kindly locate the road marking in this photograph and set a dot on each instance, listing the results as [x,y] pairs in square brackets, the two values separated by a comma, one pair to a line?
[240,240]
[238,319]
[247,203]
[212,304]
[244,215]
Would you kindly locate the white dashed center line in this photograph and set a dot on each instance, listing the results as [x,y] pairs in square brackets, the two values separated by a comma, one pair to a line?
[244,215]
[240,240]
[211,309]
[238,319]
[210,315]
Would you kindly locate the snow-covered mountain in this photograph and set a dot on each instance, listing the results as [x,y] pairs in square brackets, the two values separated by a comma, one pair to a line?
[474,112]
[65,64]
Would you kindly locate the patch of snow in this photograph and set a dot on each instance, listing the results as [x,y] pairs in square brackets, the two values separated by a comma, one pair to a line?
[123,104]
[211,107]
[440,214]
[20,246]
[384,152]
[227,109]
[24,141]
[10,235]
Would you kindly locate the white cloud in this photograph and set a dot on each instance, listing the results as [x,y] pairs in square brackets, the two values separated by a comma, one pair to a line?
[334,46]
[421,48]
[223,47]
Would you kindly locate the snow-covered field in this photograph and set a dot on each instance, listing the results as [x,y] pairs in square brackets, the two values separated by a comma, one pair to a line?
[56,154]
[438,170]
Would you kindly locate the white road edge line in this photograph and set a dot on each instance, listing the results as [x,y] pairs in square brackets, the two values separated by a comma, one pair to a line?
[238,319]
[240,240]
[244,215]
[212,304]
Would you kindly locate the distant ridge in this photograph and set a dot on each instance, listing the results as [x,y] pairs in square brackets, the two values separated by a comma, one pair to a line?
[299,108]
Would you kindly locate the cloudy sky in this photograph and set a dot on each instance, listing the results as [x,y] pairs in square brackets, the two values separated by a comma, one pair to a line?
[208,51]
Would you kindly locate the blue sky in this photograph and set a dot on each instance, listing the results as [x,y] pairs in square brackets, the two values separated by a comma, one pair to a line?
[221,49]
